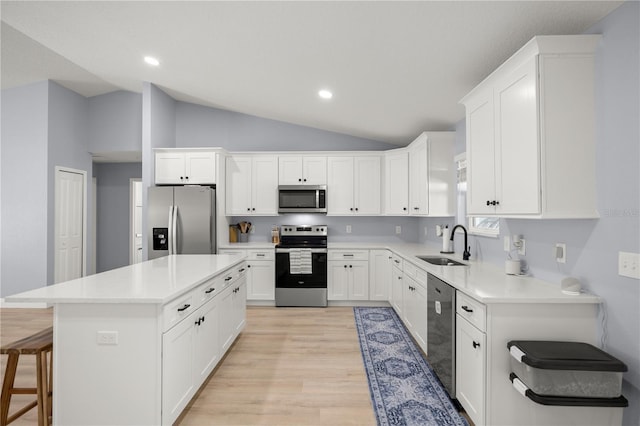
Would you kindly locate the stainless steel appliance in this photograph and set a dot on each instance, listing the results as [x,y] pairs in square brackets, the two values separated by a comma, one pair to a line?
[182,220]
[302,199]
[441,329]
[301,266]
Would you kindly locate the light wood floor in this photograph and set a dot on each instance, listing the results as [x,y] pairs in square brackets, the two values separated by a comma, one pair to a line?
[290,366]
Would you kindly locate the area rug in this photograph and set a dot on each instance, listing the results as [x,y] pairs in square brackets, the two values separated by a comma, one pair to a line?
[404,389]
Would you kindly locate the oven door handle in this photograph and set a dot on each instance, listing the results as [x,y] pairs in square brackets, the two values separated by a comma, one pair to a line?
[286,250]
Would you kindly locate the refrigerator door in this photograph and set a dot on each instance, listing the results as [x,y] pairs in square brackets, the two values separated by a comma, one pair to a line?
[195,219]
[160,202]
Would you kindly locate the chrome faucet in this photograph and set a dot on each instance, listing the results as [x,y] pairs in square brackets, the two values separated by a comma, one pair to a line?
[466,253]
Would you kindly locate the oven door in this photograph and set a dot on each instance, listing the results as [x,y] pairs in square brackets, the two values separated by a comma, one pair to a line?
[316,279]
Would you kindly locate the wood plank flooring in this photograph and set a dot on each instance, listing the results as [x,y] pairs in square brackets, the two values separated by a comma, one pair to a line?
[290,366]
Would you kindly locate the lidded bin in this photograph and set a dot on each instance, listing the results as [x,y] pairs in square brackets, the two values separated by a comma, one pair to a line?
[571,369]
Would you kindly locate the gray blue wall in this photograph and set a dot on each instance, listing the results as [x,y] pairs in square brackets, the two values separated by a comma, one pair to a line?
[24,173]
[115,122]
[113,213]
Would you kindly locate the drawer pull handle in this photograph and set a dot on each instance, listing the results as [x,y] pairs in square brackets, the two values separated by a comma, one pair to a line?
[212,289]
[241,270]
[476,344]
[438,290]
[184,308]
[260,255]
[347,255]
[397,261]
[466,308]
[228,278]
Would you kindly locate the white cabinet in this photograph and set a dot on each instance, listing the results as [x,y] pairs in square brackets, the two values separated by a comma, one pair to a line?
[379,274]
[414,295]
[207,350]
[252,185]
[354,185]
[471,369]
[348,275]
[396,182]
[194,167]
[260,273]
[297,170]
[531,122]
[397,286]
[432,178]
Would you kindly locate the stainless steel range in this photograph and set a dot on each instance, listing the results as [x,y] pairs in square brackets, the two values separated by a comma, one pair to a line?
[301,266]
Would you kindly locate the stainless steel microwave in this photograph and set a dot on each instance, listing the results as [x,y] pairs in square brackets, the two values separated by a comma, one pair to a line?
[302,199]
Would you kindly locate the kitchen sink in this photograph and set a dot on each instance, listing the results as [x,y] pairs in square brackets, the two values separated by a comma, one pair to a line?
[442,261]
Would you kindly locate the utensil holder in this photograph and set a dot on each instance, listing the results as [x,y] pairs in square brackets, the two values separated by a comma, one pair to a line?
[243,238]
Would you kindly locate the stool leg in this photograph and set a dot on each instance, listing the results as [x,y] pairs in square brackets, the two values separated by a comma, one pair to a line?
[41,369]
[7,385]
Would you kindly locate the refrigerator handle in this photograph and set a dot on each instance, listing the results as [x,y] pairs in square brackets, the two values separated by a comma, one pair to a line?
[174,230]
[170,227]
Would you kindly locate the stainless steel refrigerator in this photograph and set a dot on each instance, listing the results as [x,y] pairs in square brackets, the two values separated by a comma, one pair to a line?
[182,220]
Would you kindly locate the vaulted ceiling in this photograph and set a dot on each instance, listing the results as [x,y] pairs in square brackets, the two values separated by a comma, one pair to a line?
[395,68]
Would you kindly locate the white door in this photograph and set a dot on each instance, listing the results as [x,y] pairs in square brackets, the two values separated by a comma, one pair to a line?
[290,170]
[238,186]
[69,224]
[264,175]
[366,192]
[340,186]
[397,183]
[314,170]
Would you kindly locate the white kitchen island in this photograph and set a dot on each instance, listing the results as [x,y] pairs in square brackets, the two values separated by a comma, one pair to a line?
[133,345]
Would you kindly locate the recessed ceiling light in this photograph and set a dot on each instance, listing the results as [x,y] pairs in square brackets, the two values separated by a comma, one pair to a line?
[151,61]
[325,94]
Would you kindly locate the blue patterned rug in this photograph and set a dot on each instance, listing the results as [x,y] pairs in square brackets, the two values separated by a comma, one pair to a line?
[404,388]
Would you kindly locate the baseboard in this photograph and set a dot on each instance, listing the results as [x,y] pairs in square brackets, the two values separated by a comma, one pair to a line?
[4,304]
[365,303]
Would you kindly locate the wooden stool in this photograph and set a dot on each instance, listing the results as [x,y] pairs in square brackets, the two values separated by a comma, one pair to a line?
[39,344]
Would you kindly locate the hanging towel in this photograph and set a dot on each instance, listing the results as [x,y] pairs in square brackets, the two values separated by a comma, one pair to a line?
[300,261]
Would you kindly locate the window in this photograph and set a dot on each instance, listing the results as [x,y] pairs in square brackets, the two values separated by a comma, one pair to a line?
[487,226]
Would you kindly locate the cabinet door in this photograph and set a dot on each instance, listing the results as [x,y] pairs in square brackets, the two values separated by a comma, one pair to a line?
[206,351]
[265,185]
[340,186]
[481,165]
[409,302]
[200,167]
[240,305]
[337,280]
[261,280]
[314,170]
[177,369]
[227,320]
[396,291]
[379,275]
[396,188]
[359,280]
[419,179]
[517,141]
[419,295]
[470,369]
[238,189]
[169,167]
[367,185]
[290,170]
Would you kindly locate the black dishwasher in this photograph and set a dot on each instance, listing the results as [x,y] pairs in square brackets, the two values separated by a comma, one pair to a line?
[441,329]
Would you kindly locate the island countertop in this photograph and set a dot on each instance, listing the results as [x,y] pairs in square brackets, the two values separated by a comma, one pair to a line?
[154,281]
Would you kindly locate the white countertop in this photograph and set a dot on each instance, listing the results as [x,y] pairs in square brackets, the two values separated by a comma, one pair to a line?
[485,282]
[247,246]
[153,281]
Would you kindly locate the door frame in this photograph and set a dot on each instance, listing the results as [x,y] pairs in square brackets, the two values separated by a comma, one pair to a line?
[132,210]
[58,170]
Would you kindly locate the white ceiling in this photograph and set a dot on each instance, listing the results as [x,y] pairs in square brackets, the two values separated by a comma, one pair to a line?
[396,68]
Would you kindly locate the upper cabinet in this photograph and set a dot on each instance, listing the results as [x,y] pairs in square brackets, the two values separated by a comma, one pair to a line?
[297,170]
[354,185]
[531,134]
[420,180]
[252,185]
[178,166]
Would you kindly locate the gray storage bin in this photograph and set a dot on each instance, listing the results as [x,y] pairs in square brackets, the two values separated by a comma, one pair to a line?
[569,369]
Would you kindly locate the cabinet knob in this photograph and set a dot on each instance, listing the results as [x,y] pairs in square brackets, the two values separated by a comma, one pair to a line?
[254,209]
[299,180]
[248,266]
[305,180]
[356,209]
[476,344]
[345,266]
[248,209]
[350,266]
[181,177]
[351,209]
[186,177]
[497,203]
[416,208]
[404,208]
[488,202]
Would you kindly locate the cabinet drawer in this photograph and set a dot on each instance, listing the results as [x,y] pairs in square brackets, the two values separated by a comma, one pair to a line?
[176,310]
[410,270]
[474,311]
[260,254]
[421,276]
[396,261]
[232,251]
[349,255]
[207,290]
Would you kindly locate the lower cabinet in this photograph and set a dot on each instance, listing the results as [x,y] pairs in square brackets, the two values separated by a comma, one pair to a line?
[471,356]
[348,280]
[397,288]
[379,274]
[415,310]
[193,347]
[261,273]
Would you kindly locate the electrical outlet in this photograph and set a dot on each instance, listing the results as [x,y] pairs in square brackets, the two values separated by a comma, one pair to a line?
[107,337]
[398,229]
[629,265]
[425,231]
[507,243]
[560,252]
[522,249]
[438,230]
[348,229]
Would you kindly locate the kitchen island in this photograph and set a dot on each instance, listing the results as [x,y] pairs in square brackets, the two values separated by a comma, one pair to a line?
[133,345]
